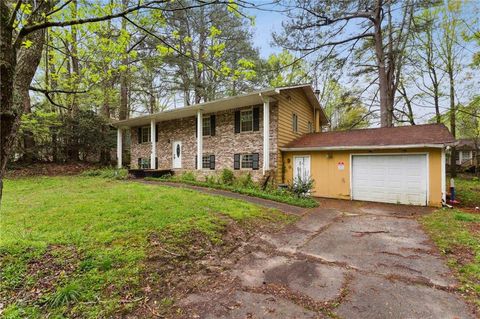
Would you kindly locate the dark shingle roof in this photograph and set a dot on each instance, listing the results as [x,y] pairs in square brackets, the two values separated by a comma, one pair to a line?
[426,134]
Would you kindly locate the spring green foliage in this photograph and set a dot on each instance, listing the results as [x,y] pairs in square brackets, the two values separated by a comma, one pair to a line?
[242,184]
[344,110]
[227,177]
[284,69]
[453,232]
[89,237]
[468,191]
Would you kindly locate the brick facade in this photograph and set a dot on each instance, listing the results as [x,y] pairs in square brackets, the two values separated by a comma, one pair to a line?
[223,145]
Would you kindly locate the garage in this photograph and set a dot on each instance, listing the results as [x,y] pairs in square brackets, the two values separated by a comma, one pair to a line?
[395,178]
[398,165]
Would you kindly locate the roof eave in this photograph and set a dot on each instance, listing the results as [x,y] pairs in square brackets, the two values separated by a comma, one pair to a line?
[362,147]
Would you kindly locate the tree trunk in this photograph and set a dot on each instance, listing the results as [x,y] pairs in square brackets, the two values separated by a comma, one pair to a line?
[453,130]
[385,114]
[17,67]
[123,111]
[73,151]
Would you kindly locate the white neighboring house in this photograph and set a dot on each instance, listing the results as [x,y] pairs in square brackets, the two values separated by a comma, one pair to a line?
[466,152]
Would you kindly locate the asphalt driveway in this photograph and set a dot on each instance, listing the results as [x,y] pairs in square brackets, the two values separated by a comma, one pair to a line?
[341,260]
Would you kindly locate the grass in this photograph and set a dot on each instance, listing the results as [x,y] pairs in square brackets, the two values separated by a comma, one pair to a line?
[281,196]
[468,191]
[457,234]
[75,246]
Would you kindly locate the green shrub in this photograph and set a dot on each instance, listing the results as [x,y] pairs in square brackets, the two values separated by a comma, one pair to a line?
[65,295]
[302,186]
[246,181]
[227,177]
[188,177]
[109,172]
[166,176]
[211,179]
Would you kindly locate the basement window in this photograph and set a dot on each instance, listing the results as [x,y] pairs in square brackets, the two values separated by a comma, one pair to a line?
[247,161]
[206,161]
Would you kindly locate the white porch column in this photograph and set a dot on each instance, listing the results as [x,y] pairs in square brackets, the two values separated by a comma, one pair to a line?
[444,176]
[199,139]
[266,134]
[153,135]
[119,147]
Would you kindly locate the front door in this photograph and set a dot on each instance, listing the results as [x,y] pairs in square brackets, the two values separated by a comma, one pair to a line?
[301,168]
[177,154]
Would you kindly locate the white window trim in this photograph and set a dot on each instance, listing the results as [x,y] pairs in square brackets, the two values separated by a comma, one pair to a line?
[207,117]
[148,135]
[208,156]
[244,111]
[295,123]
[145,161]
[241,161]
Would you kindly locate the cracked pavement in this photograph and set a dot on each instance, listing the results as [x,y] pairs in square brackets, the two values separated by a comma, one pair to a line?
[341,260]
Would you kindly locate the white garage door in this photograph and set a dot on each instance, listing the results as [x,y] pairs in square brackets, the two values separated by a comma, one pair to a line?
[390,178]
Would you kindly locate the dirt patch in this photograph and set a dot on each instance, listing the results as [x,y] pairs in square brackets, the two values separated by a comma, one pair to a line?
[475,229]
[45,273]
[470,210]
[463,254]
[49,169]
[193,265]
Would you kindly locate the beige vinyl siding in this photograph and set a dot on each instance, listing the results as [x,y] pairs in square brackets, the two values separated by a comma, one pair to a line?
[290,102]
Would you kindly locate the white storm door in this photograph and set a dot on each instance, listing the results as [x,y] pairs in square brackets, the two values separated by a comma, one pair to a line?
[177,154]
[301,168]
[398,179]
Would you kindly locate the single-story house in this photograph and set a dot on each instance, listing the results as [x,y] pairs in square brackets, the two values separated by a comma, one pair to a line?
[277,133]
[404,165]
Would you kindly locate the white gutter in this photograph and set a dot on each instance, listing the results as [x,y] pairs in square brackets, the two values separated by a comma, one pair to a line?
[362,147]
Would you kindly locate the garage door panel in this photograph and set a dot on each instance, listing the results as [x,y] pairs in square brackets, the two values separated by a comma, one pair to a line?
[390,178]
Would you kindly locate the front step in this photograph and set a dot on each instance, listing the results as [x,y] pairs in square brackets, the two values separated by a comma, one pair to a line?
[142,173]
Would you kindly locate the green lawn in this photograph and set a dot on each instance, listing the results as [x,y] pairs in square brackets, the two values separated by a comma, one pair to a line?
[468,191]
[75,246]
[457,233]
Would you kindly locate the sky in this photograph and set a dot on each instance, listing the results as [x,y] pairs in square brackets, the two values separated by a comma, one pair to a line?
[265,24]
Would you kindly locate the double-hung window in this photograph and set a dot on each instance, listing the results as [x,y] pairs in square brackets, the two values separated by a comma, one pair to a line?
[145,134]
[294,122]
[207,126]
[246,120]
[246,161]
[144,163]
[206,161]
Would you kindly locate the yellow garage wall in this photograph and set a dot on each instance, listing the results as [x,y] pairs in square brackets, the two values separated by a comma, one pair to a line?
[333,183]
